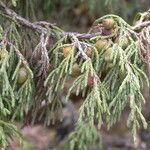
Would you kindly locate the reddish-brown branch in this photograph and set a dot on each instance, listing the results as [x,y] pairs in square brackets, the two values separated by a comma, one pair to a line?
[37,26]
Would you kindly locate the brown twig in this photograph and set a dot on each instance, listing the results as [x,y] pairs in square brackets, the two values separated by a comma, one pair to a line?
[38,26]
[20,19]
[20,56]
[141,25]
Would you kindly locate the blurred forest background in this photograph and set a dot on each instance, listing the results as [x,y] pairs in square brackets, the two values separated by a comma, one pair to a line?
[78,16]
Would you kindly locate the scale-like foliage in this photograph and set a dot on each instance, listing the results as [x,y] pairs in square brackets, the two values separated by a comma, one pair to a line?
[89,139]
[109,78]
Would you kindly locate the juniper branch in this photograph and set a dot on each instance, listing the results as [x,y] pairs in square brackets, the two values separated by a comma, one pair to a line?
[38,26]
[141,25]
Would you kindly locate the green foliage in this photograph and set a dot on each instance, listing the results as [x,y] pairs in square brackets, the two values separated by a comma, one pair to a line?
[120,87]
[7,132]
[87,140]
[107,85]
[14,2]
[14,98]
